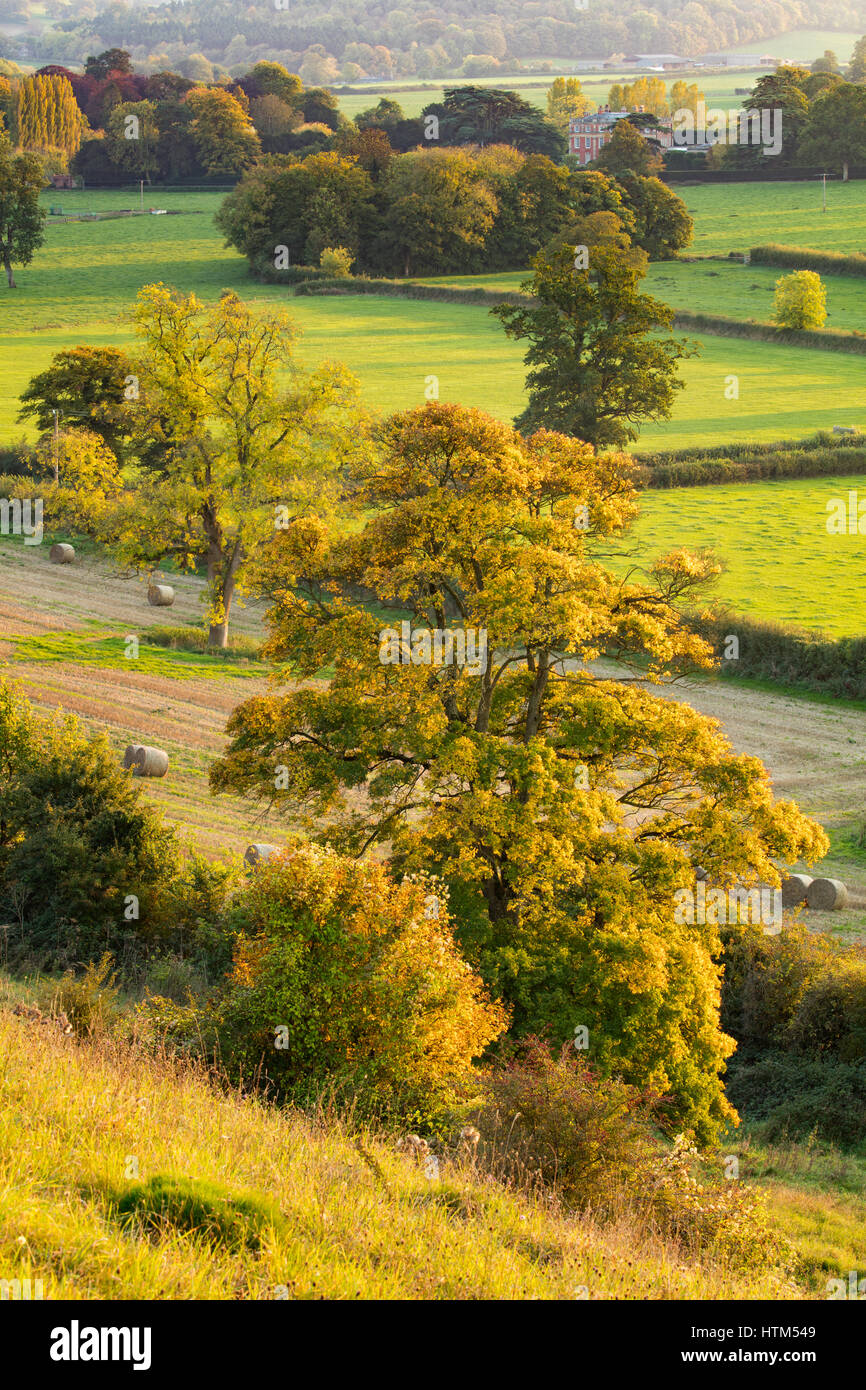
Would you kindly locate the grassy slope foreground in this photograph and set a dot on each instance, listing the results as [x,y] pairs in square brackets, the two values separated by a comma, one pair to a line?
[276,1204]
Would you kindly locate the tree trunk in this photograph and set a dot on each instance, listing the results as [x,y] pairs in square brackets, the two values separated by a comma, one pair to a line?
[7,266]
[218,633]
[844,171]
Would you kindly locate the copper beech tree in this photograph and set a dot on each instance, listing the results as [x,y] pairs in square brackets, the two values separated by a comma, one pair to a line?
[561,803]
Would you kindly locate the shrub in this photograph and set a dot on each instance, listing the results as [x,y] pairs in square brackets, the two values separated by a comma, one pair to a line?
[206,1210]
[336,262]
[831,1016]
[552,1124]
[172,977]
[550,1121]
[797,1004]
[80,852]
[705,1213]
[807,258]
[15,459]
[789,656]
[792,1096]
[821,455]
[766,978]
[89,1001]
[369,991]
[195,639]
[800,300]
[263,268]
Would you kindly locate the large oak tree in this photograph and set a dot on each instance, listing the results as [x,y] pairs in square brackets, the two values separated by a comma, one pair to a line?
[562,805]
[598,366]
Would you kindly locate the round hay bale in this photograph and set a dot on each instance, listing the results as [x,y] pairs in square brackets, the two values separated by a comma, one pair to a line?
[794,889]
[259,854]
[826,895]
[145,761]
[61,554]
[160,595]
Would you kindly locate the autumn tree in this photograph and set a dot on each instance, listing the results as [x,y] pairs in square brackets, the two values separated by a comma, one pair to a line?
[829,62]
[857,66]
[663,224]
[21,218]
[7,104]
[800,300]
[598,229]
[440,209]
[272,79]
[306,205]
[562,808]
[370,147]
[80,477]
[249,438]
[47,116]
[627,152]
[225,140]
[483,115]
[781,94]
[112,60]
[565,99]
[644,94]
[598,365]
[273,117]
[684,96]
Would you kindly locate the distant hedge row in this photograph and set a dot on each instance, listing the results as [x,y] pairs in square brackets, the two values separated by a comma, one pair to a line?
[789,656]
[807,258]
[791,462]
[822,439]
[264,269]
[829,339]
[409,289]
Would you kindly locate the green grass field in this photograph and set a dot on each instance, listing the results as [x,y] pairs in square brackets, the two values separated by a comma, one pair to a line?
[737,216]
[780,563]
[718,287]
[746,292]
[84,281]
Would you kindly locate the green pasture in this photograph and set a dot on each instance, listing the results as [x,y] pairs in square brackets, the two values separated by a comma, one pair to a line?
[780,563]
[711,287]
[737,216]
[746,291]
[84,281]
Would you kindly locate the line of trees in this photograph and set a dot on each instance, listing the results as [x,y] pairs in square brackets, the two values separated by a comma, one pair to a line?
[436,211]
[359,39]
[823,119]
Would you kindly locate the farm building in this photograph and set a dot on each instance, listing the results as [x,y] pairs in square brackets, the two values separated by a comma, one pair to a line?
[587,135]
[660,62]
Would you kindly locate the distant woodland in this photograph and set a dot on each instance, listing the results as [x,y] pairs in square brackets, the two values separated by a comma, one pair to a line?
[360,39]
